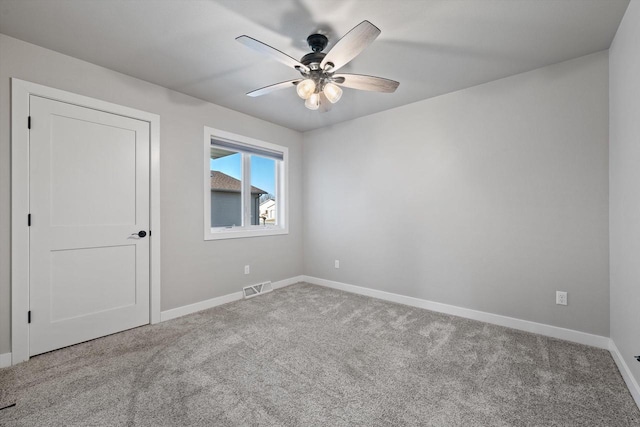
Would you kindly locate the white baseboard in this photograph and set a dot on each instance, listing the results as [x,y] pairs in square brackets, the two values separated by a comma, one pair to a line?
[213,302]
[5,360]
[199,306]
[496,319]
[286,282]
[632,384]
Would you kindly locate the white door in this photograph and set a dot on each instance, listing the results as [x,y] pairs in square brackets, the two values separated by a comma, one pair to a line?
[89,198]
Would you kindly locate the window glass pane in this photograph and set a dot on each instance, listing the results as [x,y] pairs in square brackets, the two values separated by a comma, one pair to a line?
[263,190]
[226,187]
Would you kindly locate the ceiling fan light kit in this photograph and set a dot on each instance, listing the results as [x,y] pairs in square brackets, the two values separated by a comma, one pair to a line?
[319,83]
[313,102]
[306,88]
[332,92]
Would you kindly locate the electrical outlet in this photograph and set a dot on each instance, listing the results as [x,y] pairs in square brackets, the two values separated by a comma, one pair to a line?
[337,264]
[247,269]
[561,298]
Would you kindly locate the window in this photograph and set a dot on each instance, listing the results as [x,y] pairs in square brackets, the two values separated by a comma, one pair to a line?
[245,186]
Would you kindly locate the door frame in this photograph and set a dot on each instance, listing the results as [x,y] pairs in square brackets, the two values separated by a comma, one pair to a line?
[20,92]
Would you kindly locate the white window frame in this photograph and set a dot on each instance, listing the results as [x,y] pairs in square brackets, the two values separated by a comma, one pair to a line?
[282,189]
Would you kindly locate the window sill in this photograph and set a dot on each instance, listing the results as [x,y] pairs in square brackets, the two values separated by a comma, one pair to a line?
[239,233]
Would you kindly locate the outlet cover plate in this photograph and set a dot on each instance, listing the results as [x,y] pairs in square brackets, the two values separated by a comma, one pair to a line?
[561,298]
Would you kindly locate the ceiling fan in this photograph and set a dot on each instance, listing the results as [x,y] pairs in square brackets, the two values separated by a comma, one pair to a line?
[319,85]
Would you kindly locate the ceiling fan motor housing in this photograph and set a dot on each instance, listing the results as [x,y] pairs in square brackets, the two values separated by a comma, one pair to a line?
[312,58]
[317,43]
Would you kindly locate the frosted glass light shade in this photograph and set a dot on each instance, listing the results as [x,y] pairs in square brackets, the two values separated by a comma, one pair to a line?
[306,88]
[313,102]
[332,92]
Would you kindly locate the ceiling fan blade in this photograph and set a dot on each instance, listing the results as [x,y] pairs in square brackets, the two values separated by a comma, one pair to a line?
[362,82]
[274,53]
[325,104]
[350,45]
[274,87]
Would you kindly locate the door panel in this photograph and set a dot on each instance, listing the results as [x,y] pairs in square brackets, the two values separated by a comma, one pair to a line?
[102,278]
[89,195]
[92,174]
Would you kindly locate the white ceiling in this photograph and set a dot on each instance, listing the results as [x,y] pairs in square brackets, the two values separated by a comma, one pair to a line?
[430,46]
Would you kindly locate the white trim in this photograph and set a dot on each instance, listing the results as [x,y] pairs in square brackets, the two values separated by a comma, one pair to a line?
[154,219]
[496,319]
[282,192]
[214,302]
[5,360]
[199,306]
[19,230]
[287,282]
[20,92]
[242,232]
[631,382]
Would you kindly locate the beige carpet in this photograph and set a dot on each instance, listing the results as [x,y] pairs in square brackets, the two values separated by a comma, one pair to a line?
[311,356]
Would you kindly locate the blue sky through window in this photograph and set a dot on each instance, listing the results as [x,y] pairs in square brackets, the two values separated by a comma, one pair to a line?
[263,173]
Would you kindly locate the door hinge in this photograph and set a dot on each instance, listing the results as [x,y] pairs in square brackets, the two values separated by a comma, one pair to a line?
[29,220]
[29,122]
[149,233]
[29,316]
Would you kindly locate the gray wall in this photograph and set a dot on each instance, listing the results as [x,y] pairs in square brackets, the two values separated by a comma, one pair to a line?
[192,269]
[490,198]
[624,164]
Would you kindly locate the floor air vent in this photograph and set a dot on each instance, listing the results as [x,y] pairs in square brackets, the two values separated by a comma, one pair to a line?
[255,290]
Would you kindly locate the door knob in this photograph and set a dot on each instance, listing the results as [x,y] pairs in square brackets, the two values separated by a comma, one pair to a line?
[140,233]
